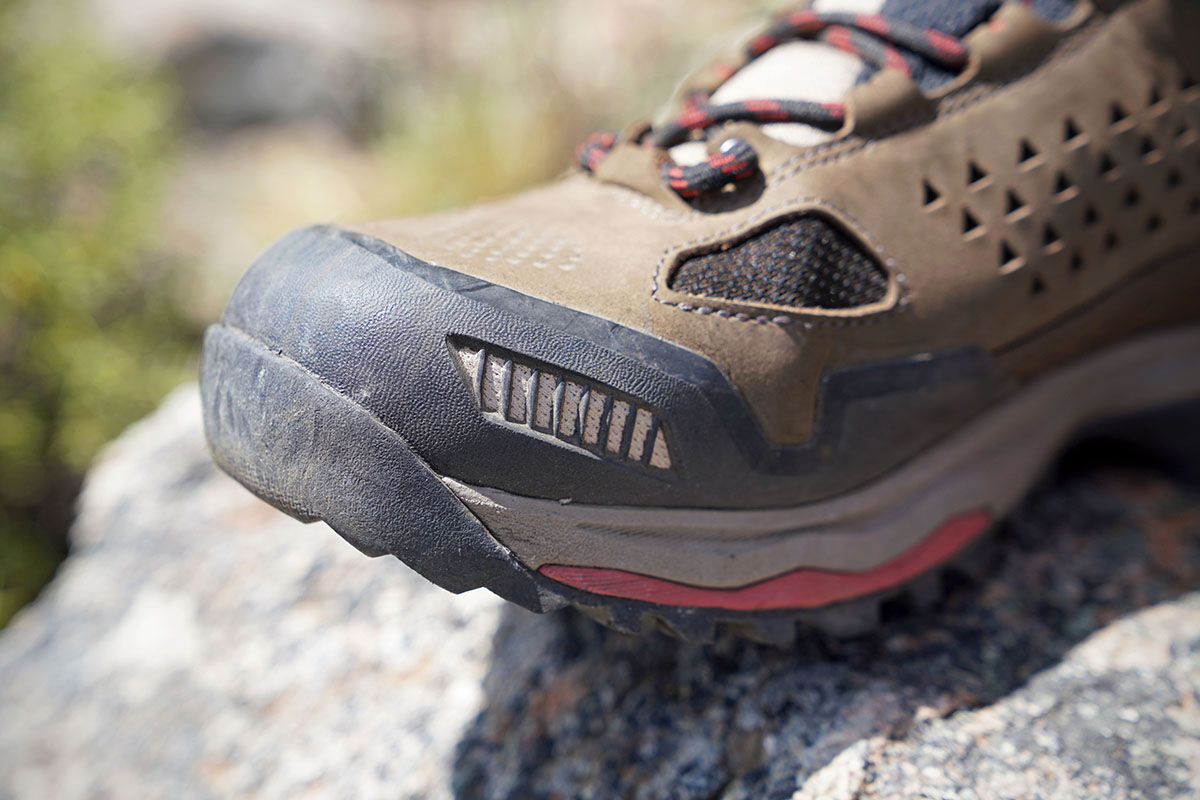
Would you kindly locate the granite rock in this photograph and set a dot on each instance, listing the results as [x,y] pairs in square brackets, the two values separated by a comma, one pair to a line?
[199,644]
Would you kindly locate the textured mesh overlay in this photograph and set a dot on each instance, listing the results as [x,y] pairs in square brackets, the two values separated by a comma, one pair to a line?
[804,262]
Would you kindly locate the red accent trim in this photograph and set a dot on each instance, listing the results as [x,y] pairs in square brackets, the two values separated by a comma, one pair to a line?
[948,45]
[761,45]
[802,588]
[840,38]
[873,23]
[694,118]
[896,61]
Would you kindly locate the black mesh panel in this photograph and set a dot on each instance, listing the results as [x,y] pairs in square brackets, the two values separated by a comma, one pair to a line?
[803,262]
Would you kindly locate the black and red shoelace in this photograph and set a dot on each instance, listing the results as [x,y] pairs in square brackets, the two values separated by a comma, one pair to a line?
[879,41]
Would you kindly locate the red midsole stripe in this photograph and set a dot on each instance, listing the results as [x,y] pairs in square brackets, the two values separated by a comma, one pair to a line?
[802,588]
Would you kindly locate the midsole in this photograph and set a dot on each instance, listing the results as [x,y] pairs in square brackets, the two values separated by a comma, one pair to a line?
[987,465]
[801,588]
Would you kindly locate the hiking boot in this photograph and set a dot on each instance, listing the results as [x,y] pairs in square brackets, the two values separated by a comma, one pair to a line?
[781,356]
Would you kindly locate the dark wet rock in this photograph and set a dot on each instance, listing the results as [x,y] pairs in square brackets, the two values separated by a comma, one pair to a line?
[199,644]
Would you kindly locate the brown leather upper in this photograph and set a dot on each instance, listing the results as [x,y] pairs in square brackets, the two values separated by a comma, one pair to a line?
[1081,230]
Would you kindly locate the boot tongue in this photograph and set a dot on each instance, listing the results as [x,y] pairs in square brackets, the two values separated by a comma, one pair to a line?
[814,70]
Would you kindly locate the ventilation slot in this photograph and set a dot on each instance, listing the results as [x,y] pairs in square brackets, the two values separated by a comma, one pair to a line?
[1076,262]
[976,177]
[1156,97]
[549,402]
[1064,189]
[1149,150]
[1174,179]
[802,262]
[1154,224]
[1010,260]
[1132,198]
[1108,167]
[1111,241]
[970,225]
[932,195]
[1071,131]
[1029,154]
[1117,114]
[1015,207]
[1051,241]
[1037,285]
[1090,217]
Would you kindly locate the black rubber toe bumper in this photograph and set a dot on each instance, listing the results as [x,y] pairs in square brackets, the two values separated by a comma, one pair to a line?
[377,326]
[311,452]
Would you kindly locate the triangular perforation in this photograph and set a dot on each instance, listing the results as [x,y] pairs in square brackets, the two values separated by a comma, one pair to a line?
[1154,223]
[1111,241]
[1009,258]
[1108,167]
[976,174]
[1117,113]
[1076,264]
[1071,130]
[1155,95]
[969,223]
[1187,82]
[931,194]
[1132,198]
[1174,179]
[1028,152]
[1062,184]
[1090,216]
[1013,203]
[1037,285]
[1050,237]
[1149,149]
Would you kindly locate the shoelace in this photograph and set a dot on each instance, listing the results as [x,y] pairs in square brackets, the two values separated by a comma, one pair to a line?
[876,39]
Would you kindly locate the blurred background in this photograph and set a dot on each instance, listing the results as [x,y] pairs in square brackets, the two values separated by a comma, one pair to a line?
[149,149]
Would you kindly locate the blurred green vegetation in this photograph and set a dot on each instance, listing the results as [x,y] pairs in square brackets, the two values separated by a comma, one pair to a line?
[89,338]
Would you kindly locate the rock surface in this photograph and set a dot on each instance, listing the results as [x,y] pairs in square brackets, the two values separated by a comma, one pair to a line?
[199,644]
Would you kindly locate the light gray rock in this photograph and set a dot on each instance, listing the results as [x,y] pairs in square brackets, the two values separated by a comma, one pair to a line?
[199,644]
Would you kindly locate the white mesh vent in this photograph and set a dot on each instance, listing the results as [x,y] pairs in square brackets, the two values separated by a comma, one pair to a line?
[546,400]
[616,427]
[569,415]
[597,405]
[642,424]
[493,383]
[518,405]
[659,457]
[543,418]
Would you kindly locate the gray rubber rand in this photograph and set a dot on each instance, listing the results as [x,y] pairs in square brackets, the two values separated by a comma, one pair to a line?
[312,453]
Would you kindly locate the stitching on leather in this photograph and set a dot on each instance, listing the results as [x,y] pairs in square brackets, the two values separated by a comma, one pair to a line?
[783,319]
